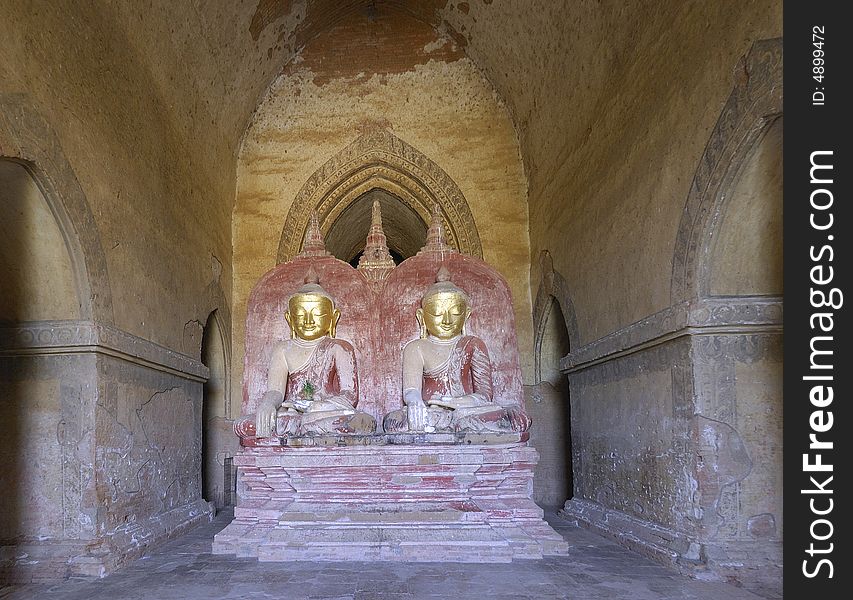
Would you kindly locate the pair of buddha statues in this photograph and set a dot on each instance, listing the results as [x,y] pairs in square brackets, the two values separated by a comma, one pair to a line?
[312,382]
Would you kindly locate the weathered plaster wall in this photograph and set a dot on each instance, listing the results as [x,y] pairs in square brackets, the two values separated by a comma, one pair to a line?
[391,72]
[630,435]
[155,170]
[613,115]
[147,459]
[742,261]
[597,112]
[35,266]
[140,181]
[608,205]
[47,452]
[101,446]
[686,435]
[740,380]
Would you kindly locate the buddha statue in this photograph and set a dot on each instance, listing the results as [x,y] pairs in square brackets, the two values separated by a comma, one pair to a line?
[312,384]
[447,375]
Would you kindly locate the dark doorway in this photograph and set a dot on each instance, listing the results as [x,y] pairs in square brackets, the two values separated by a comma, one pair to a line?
[551,412]
[215,429]
[404,229]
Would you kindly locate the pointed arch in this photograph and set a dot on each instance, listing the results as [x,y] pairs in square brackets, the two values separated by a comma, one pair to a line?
[553,290]
[27,139]
[754,104]
[380,160]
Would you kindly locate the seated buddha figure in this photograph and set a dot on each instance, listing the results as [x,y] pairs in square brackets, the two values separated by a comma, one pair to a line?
[312,384]
[447,376]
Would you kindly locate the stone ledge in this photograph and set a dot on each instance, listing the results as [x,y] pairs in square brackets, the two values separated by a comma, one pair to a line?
[33,562]
[417,502]
[390,439]
[653,541]
[717,315]
[119,547]
[38,561]
[35,338]
[751,563]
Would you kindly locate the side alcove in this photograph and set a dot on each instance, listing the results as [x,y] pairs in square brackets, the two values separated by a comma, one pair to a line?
[37,270]
[35,264]
[746,254]
[550,410]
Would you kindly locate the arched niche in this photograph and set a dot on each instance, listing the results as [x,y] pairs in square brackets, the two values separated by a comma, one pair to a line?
[218,441]
[25,138]
[752,108]
[745,257]
[379,160]
[404,228]
[552,289]
[555,332]
[728,258]
[41,279]
[553,346]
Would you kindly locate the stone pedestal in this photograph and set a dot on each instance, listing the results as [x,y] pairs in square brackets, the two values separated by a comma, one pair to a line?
[393,497]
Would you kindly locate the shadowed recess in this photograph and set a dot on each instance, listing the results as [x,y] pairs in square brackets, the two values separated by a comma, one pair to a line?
[405,230]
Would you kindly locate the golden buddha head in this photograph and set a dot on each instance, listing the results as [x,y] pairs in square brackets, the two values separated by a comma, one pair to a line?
[444,309]
[311,311]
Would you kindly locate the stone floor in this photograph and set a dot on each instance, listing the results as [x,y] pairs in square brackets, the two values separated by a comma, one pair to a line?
[184,569]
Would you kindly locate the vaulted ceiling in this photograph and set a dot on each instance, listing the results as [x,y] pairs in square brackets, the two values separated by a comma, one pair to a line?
[583,80]
[561,66]
[543,57]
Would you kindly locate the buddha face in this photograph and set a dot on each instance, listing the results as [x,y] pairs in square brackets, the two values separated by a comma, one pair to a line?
[311,316]
[443,315]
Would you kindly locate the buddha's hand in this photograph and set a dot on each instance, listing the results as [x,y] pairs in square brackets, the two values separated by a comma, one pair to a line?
[329,403]
[456,402]
[302,404]
[518,419]
[417,410]
[266,413]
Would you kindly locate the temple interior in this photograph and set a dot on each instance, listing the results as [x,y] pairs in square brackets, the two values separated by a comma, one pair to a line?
[618,163]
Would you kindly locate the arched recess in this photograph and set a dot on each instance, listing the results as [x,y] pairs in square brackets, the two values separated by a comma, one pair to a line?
[753,106]
[378,160]
[555,331]
[727,270]
[27,139]
[745,248]
[42,278]
[404,229]
[552,288]
[217,308]
[216,427]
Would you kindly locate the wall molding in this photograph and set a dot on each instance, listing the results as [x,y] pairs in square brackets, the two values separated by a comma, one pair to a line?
[717,315]
[38,338]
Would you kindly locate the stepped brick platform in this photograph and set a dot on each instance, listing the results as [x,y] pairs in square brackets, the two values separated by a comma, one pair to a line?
[338,498]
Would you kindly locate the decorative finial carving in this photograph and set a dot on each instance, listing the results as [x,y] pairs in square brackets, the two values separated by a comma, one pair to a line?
[311,276]
[376,262]
[313,245]
[436,240]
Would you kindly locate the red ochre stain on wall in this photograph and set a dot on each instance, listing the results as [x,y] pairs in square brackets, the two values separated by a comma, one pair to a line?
[383,41]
